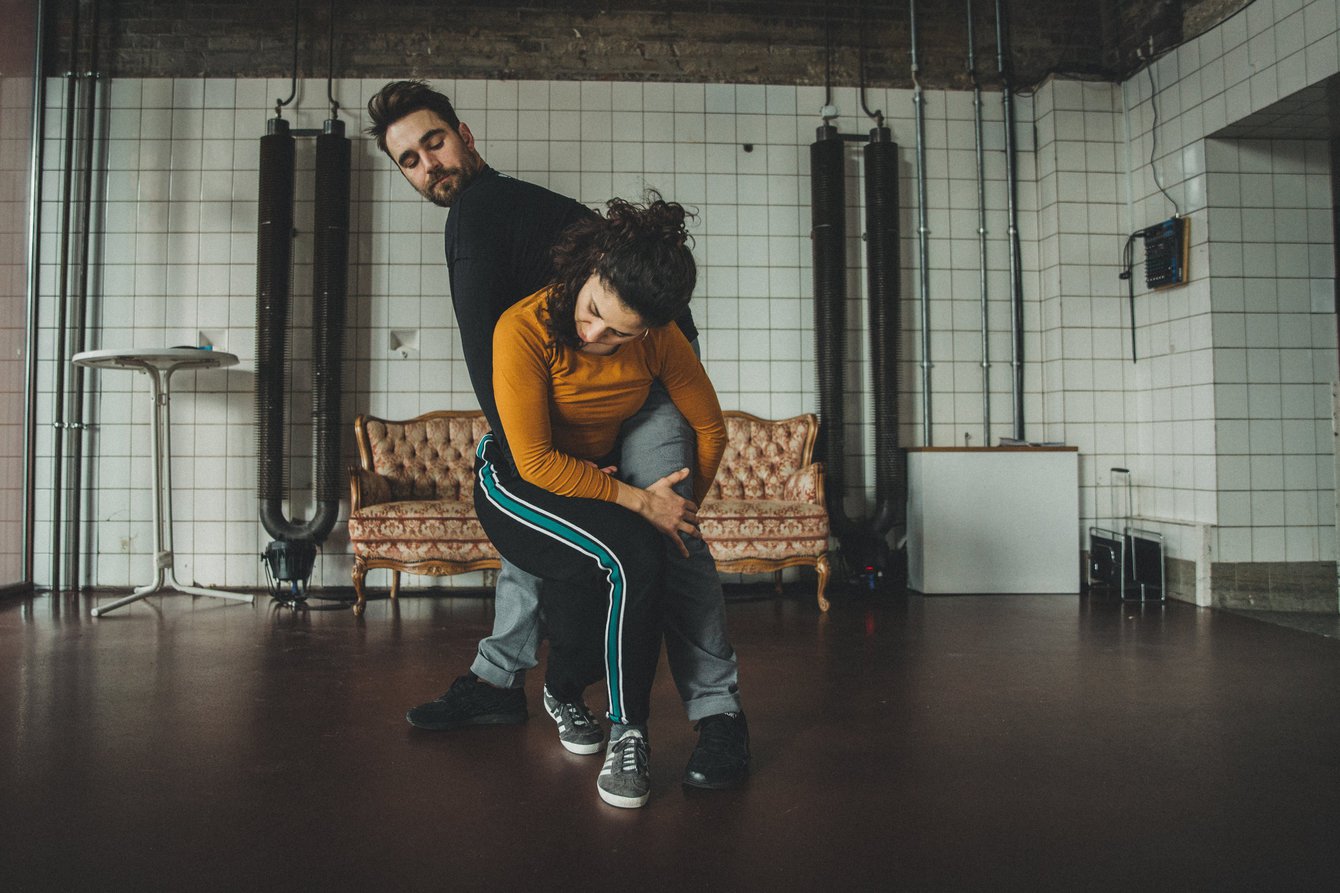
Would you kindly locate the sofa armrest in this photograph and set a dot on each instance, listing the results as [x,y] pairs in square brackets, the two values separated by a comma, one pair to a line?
[805,485]
[367,488]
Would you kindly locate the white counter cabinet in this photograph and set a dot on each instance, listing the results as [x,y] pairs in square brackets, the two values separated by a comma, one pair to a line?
[993,519]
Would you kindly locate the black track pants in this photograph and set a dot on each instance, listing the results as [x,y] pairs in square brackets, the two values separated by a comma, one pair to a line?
[604,573]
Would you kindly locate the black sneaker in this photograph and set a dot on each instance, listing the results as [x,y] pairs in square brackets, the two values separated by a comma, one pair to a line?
[578,730]
[721,759]
[470,702]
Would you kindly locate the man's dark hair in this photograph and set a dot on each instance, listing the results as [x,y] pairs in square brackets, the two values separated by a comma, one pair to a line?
[641,251]
[400,98]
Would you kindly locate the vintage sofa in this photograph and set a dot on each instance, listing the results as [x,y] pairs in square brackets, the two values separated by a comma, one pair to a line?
[411,499]
[765,510]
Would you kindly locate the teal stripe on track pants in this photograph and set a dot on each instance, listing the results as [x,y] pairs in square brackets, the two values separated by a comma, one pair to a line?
[603,568]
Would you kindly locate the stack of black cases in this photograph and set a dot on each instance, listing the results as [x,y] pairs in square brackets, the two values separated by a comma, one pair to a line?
[1129,563]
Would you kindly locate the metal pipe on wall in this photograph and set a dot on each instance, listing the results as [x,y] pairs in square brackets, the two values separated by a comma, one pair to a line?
[62,310]
[981,229]
[37,158]
[919,103]
[89,143]
[1012,189]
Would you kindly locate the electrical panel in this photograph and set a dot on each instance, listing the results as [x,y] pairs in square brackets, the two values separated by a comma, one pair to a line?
[1167,249]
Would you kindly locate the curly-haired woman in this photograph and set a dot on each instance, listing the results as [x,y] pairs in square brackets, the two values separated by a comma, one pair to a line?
[571,363]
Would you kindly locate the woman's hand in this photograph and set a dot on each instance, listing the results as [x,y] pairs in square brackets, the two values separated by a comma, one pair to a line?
[667,511]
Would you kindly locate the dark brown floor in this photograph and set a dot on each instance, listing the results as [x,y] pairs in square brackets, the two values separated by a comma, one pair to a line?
[999,743]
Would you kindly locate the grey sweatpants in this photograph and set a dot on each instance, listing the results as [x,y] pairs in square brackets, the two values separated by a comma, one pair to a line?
[652,444]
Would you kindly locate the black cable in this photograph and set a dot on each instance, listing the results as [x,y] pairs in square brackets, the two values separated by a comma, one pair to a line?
[330,64]
[828,59]
[1154,138]
[1128,273]
[293,81]
[878,114]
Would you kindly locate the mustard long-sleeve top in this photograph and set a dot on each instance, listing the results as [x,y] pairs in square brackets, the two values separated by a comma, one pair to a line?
[558,405]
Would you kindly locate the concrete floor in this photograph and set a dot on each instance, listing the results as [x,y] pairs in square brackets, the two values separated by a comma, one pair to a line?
[1007,742]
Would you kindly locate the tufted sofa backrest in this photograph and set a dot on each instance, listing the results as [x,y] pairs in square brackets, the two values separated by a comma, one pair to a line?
[761,454]
[429,457]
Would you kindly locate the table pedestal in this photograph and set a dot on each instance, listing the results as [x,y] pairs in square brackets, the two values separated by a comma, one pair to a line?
[159,364]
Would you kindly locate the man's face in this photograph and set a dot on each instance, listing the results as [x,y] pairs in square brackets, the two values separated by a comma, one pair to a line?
[436,160]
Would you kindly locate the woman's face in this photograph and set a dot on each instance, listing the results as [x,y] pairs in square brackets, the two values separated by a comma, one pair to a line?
[603,321]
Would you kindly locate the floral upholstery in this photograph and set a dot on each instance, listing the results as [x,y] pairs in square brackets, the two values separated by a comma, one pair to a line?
[411,506]
[412,509]
[765,510]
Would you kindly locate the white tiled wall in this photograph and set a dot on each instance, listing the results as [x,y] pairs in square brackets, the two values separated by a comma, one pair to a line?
[180,247]
[178,268]
[1261,299]
[1274,351]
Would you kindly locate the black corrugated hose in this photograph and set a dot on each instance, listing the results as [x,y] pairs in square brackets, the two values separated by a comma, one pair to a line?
[884,275]
[274,260]
[828,241]
[330,276]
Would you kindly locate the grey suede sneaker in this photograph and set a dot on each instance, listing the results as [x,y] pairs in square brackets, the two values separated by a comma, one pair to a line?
[578,730]
[626,778]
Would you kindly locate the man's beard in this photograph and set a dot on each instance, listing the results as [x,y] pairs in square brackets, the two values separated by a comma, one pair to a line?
[444,189]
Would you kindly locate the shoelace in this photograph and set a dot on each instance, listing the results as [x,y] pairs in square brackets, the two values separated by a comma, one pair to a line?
[579,715]
[632,750]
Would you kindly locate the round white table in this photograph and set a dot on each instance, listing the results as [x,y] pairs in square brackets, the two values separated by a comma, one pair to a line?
[159,363]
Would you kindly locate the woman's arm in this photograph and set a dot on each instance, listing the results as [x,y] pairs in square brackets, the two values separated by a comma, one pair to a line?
[521,383]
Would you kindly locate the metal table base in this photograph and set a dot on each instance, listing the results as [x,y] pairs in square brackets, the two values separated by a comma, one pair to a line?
[159,364]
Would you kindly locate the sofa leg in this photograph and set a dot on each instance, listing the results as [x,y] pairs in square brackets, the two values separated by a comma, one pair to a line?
[360,572]
[822,567]
[395,584]
[777,582]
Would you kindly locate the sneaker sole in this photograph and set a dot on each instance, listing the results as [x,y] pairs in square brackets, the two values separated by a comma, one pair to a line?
[583,749]
[491,719]
[622,802]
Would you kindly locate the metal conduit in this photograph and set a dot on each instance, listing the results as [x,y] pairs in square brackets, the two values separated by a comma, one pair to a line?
[981,230]
[81,309]
[36,160]
[62,310]
[1012,185]
[919,103]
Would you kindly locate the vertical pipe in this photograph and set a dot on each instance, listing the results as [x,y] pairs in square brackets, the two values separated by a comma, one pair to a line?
[919,102]
[1012,184]
[274,256]
[62,309]
[981,230]
[329,277]
[77,426]
[828,237]
[36,160]
[884,274]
